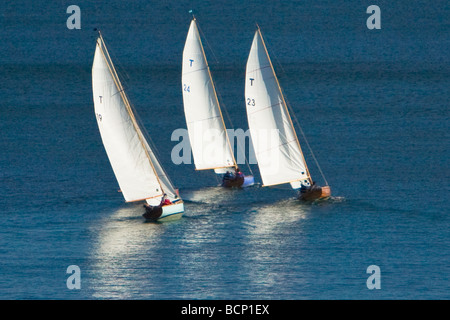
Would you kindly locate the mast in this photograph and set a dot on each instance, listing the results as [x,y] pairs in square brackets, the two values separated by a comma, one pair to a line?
[284,103]
[202,109]
[215,96]
[280,159]
[118,84]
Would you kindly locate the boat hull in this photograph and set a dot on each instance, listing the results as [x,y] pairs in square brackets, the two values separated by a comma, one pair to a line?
[169,212]
[315,193]
[237,182]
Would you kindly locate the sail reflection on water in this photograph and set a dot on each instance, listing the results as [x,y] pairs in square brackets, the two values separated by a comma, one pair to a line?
[276,217]
[269,249]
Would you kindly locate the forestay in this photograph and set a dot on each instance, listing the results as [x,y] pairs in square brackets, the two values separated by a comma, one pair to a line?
[211,148]
[133,162]
[275,142]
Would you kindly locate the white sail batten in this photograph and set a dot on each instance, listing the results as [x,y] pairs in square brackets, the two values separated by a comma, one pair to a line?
[127,150]
[211,148]
[275,142]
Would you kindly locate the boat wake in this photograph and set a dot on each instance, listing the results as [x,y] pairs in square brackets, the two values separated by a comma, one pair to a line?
[328,200]
[337,199]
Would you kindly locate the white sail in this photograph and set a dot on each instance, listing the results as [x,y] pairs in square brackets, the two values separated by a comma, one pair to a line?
[164,180]
[130,156]
[207,133]
[275,142]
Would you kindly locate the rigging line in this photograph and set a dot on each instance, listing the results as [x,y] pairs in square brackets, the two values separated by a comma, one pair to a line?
[257,69]
[152,145]
[279,65]
[126,102]
[306,140]
[264,108]
[221,105]
[288,106]
[241,149]
[210,118]
[207,42]
[298,124]
[141,126]
[215,92]
[120,69]
[284,101]
[279,145]
[189,72]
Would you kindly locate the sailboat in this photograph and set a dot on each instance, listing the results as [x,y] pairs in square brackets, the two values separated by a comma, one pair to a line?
[138,172]
[277,148]
[208,136]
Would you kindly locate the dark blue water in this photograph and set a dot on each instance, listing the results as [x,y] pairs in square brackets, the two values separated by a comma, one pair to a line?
[374,105]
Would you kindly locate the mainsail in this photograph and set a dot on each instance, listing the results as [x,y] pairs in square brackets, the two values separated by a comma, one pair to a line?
[210,144]
[277,149]
[138,172]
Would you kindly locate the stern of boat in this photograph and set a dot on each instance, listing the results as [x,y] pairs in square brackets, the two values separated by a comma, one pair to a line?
[316,193]
[172,211]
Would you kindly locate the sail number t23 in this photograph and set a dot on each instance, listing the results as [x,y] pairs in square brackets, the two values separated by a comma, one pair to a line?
[250,101]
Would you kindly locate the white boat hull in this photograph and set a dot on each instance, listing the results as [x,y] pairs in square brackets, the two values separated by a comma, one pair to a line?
[168,212]
[172,212]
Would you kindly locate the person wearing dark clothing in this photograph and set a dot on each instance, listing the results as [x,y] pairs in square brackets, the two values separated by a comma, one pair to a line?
[228,176]
[239,173]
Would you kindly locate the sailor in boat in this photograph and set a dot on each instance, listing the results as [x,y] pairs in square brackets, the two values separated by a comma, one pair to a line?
[235,179]
[310,191]
[154,212]
[305,187]
[238,173]
[165,200]
[228,176]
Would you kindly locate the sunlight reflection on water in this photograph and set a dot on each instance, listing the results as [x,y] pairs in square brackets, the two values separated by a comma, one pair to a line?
[124,241]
